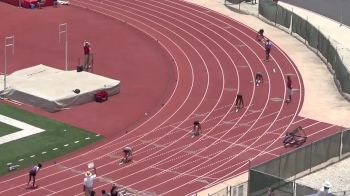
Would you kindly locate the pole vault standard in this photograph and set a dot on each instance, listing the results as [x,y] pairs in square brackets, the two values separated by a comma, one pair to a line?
[63,29]
[9,41]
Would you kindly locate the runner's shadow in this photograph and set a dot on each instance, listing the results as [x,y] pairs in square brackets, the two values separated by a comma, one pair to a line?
[32,187]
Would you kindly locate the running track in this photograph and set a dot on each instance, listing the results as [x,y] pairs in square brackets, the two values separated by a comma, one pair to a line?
[215,57]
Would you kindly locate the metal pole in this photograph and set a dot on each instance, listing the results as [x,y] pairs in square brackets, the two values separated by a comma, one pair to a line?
[291,22]
[318,40]
[307,21]
[63,28]
[66,46]
[341,145]
[276,14]
[7,39]
[249,168]
[310,155]
[341,12]
[5,66]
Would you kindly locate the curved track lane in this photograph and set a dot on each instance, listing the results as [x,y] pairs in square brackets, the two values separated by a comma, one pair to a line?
[215,57]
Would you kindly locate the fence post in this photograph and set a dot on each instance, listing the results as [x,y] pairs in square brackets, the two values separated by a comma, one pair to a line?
[291,24]
[276,14]
[318,40]
[328,51]
[279,166]
[341,145]
[307,20]
[312,144]
[248,185]
[259,9]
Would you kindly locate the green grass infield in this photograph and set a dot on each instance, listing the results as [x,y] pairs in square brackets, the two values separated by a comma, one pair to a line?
[7,129]
[57,139]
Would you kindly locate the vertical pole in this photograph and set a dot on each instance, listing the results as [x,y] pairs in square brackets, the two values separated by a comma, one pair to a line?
[249,167]
[295,176]
[66,47]
[310,155]
[341,12]
[276,14]
[327,51]
[318,40]
[259,9]
[279,165]
[5,64]
[341,145]
[291,22]
[7,44]
[63,29]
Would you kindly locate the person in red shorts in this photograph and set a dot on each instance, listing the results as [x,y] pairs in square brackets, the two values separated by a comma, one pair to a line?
[87,52]
[33,172]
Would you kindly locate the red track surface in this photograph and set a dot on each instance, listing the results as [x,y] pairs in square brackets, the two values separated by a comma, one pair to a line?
[214,58]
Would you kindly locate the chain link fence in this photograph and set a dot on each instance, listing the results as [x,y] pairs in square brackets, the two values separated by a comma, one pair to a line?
[280,173]
[311,36]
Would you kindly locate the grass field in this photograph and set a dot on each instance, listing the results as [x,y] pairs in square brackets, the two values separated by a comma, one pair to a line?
[7,129]
[57,139]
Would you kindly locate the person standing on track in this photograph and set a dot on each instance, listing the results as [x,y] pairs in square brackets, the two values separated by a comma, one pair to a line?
[88,184]
[32,174]
[268,46]
[289,90]
[87,54]
[239,102]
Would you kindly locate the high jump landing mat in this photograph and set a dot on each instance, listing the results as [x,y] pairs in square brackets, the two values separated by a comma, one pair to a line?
[53,89]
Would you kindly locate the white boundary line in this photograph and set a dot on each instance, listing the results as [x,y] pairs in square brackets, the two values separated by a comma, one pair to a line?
[27,130]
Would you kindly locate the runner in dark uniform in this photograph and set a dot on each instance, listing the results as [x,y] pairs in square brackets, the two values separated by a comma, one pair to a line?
[258,79]
[260,35]
[197,128]
[239,102]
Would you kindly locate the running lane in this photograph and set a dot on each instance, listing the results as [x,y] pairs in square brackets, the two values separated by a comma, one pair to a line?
[215,58]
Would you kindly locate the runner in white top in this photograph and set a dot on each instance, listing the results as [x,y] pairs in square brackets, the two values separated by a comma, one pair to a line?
[33,172]
[89,183]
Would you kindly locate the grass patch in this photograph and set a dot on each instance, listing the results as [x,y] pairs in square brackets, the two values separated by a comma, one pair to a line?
[6,129]
[53,137]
